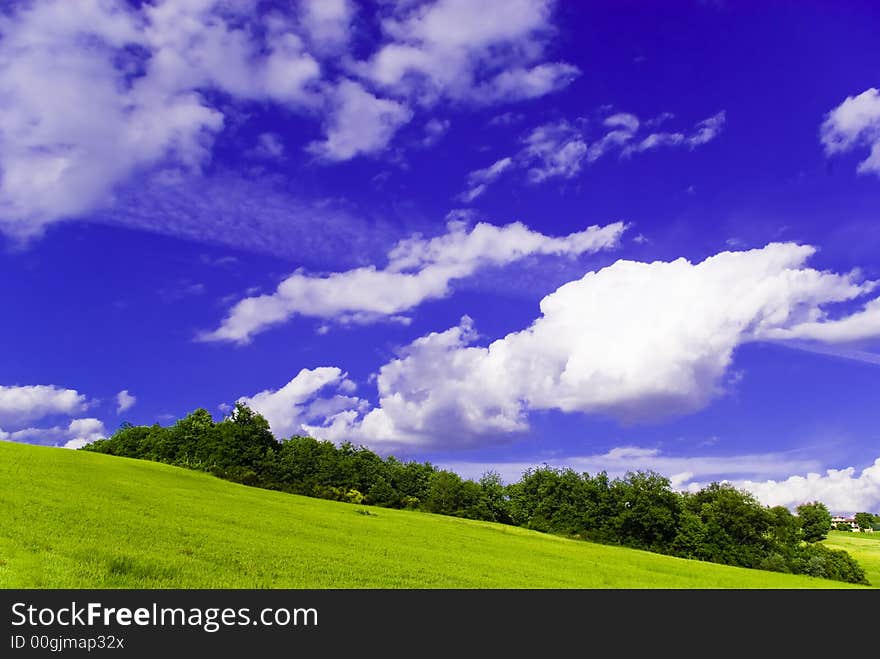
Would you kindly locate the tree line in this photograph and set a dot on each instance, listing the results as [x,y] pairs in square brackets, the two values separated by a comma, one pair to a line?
[719,523]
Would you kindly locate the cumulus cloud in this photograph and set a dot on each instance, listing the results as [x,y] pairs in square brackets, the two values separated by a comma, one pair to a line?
[96,92]
[844,491]
[76,434]
[297,403]
[359,123]
[20,404]
[418,269]
[464,51]
[852,124]
[84,431]
[560,149]
[124,401]
[633,341]
[327,23]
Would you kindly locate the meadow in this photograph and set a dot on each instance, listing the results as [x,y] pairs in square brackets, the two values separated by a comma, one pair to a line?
[864,547]
[74,519]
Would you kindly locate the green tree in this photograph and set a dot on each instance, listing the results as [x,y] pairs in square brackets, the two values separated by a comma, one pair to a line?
[785,530]
[382,494]
[735,527]
[444,493]
[648,510]
[493,503]
[815,521]
[865,520]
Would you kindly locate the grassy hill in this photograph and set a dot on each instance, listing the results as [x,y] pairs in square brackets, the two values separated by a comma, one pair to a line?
[864,547]
[72,519]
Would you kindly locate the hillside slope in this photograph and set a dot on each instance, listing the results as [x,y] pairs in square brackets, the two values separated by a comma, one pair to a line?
[73,519]
[864,547]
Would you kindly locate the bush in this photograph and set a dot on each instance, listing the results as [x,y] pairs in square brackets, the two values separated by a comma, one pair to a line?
[820,561]
[775,562]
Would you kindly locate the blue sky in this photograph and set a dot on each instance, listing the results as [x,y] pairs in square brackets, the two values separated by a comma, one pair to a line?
[601,235]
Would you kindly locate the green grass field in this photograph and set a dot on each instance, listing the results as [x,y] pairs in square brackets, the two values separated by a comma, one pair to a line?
[864,547]
[73,519]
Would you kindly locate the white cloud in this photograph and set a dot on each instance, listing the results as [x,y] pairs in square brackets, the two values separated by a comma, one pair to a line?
[480,178]
[84,431]
[625,120]
[327,24]
[269,146]
[559,149]
[418,270]
[477,52]
[93,92]
[76,434]
[864,324]
[434,130]
[842,490]
[124,401]
[704,132]
[553,150]
[20,404]
[707,130]
[634,341]
[523,83]
[359,123]
[208,43]
[855,123]
[296,403]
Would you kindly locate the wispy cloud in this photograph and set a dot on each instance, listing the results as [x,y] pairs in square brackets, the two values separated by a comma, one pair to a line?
[258,215]
[418,269]
[480,178]
[560,150]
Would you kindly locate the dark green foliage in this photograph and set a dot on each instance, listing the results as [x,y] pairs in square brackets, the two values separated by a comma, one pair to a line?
[493,504]
[866,520]
[734,526]
[382,494]
[548,499]
[719,523]
[785,529]
[446,495]
[815,521]
[817,560]
[648,511]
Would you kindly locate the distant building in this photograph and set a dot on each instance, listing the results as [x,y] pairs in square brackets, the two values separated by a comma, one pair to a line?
[838,521]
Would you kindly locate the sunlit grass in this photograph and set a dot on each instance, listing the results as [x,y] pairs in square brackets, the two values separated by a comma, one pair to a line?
[74,519]
[864,547]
